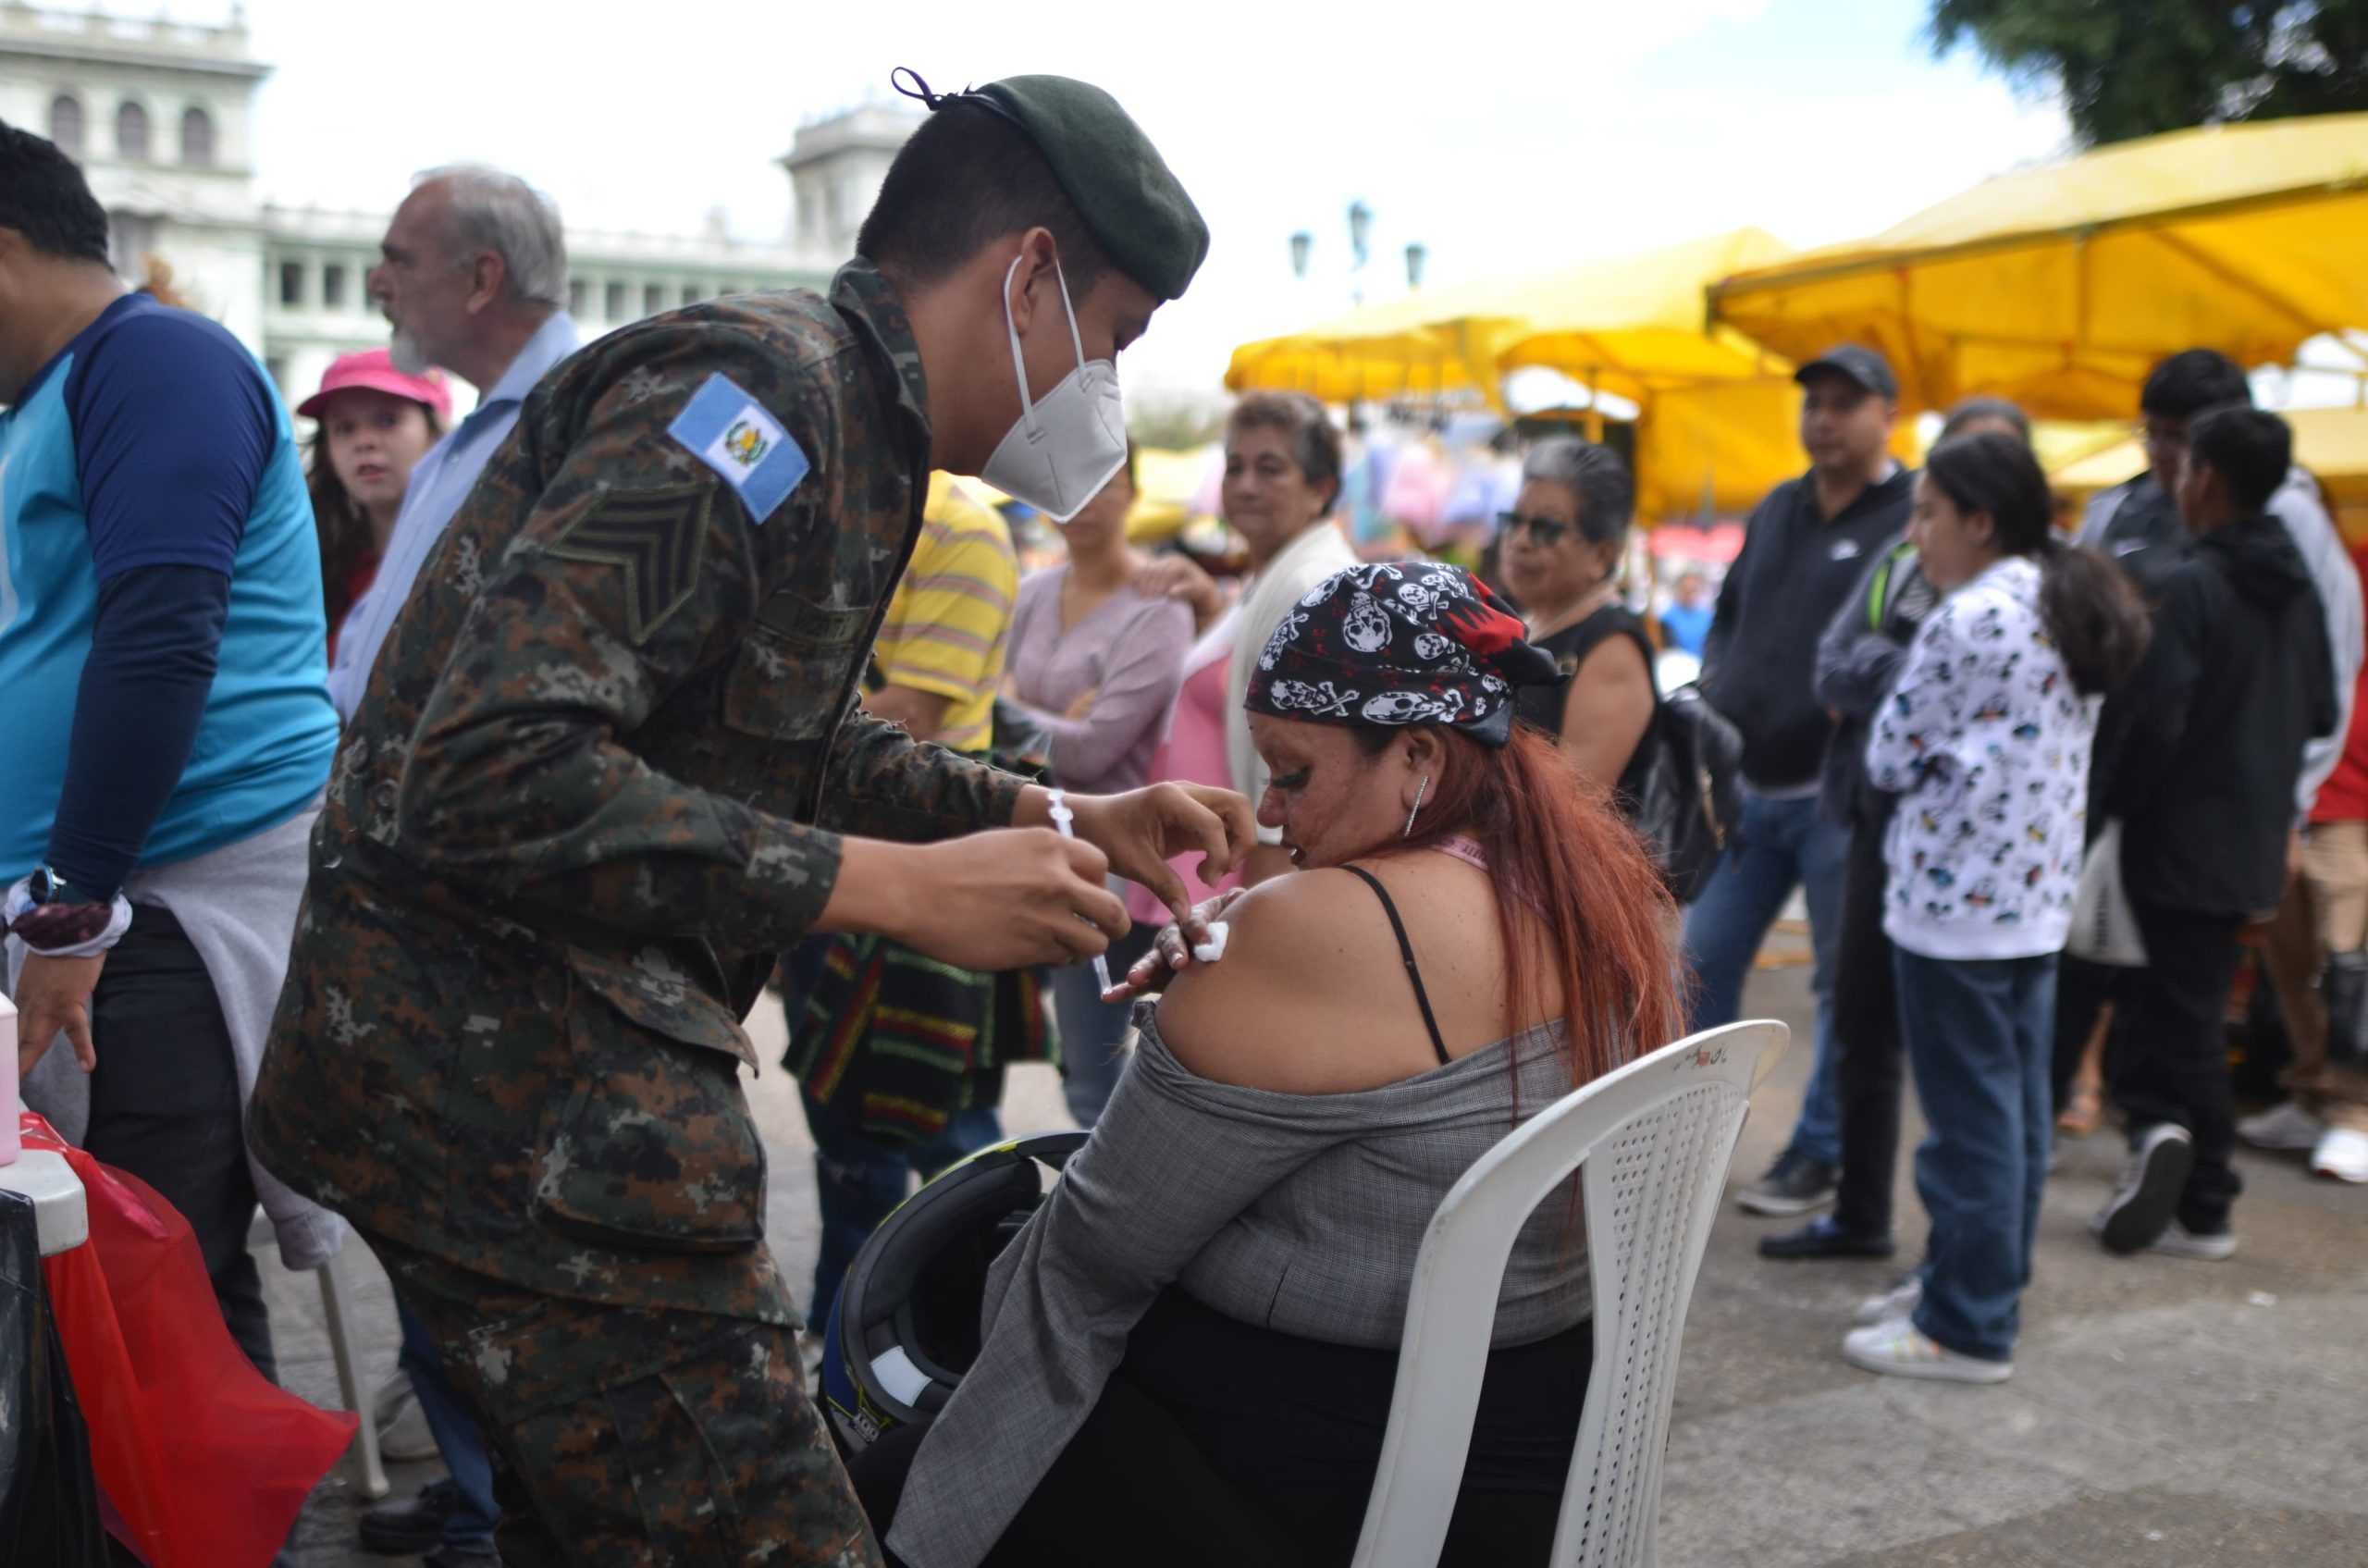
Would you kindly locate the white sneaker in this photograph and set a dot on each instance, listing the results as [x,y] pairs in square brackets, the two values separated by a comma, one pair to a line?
[2342,1154]
[2210,1246]
[1893,1304]
[1899,1348]
[2284,1125]
[403,1436]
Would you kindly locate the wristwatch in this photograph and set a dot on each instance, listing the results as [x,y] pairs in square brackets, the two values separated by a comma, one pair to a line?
[45,886]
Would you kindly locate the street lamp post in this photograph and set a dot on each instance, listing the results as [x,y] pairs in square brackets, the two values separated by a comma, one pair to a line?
[1360,248]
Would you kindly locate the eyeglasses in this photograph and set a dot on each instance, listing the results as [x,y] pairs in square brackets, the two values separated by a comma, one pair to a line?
[1546,531]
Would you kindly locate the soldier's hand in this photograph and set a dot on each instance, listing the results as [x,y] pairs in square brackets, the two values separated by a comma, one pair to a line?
[1141,829]
[53,997]
[1000,900]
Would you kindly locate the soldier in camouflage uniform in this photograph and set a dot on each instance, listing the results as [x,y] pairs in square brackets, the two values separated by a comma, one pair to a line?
[609,764]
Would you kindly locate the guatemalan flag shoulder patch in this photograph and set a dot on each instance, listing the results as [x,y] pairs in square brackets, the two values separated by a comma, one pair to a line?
[731,432]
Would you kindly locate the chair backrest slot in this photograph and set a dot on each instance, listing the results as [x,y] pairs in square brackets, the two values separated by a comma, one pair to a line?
[1652,1143]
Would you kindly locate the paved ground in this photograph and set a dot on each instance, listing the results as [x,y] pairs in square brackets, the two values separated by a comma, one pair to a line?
[2163,1413]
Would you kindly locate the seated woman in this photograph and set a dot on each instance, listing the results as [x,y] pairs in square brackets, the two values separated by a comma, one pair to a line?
[1189,1350]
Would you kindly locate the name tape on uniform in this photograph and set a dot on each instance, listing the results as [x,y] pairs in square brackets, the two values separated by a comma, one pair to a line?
[730,431]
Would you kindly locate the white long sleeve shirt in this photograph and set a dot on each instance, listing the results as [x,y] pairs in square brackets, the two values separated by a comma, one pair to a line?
[1987,746]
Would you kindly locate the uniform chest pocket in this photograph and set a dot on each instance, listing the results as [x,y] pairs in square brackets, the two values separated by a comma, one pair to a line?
[796,670]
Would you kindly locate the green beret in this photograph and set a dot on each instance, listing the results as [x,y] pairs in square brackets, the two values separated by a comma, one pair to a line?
[1122,186]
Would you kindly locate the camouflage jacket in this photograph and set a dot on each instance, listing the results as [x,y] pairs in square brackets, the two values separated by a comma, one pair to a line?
[596,782]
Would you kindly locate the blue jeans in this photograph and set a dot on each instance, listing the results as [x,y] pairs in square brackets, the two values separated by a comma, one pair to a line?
[1784,843]
[1980,1035]
[861,1180]
[459,1442]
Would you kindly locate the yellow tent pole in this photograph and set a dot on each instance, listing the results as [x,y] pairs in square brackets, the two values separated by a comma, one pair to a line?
[1595,403]
[1480,369]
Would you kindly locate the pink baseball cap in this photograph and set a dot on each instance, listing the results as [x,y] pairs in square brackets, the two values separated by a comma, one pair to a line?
[375,368]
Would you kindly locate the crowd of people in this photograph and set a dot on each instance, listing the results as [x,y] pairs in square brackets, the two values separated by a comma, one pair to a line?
[404,819]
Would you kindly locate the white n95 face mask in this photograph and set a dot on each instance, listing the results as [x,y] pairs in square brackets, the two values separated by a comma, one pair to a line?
[1069,445]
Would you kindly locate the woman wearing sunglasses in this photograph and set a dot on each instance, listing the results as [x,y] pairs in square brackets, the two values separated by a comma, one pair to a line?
[1561,545]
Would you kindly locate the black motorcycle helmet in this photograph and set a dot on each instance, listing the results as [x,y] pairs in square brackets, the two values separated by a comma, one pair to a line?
[905,1327]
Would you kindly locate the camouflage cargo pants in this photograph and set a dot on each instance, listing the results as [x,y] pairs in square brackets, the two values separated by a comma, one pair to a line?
[630,1438]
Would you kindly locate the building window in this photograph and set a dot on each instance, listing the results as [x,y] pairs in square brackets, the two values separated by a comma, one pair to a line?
[333,286]
[197,138]
[612,302]
[576,296]
[690,293]
[653,298]
[291,283]
[131,132]
[66,124]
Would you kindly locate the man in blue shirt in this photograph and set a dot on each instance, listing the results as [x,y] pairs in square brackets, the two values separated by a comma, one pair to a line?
[473,274]
[168,729]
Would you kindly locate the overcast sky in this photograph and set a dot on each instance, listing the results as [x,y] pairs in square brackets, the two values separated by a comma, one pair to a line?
[1505,136]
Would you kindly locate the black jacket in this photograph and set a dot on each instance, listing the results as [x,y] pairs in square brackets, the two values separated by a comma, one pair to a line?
[1858,659]
[1760,664]
[2137,524]
[2237,679]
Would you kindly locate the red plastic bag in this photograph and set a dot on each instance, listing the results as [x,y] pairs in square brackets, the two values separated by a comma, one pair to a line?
[206,1463]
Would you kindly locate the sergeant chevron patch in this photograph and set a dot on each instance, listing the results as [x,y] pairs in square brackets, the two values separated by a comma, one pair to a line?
[656,537]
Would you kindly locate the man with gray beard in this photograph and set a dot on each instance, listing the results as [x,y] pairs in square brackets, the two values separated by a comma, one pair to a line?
[473,276]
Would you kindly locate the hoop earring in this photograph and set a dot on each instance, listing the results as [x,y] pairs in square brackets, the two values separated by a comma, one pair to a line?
[1420,790]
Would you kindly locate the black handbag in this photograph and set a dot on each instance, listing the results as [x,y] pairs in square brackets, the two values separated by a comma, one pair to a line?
[1689,799]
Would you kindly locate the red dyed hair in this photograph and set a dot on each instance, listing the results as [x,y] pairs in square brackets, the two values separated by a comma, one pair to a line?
[1558,852]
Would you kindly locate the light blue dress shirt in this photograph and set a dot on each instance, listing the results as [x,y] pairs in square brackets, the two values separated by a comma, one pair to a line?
[438,484]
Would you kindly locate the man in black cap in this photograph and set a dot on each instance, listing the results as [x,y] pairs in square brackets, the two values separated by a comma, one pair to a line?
[611,762]
[1804,548]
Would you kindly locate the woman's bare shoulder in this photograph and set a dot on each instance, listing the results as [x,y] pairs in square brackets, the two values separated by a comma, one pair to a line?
[1273,1013]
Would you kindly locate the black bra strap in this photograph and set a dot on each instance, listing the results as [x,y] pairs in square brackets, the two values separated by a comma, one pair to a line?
[1406,948]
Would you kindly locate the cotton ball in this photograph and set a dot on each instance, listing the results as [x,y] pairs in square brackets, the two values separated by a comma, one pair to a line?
[1209,952]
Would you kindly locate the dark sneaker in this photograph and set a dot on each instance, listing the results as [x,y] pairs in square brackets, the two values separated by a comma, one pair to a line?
[2147,1198]
[406,1529]
[1822,1237]
[1795,1184]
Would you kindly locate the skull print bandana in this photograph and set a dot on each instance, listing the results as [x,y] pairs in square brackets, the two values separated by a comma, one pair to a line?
[1399,643]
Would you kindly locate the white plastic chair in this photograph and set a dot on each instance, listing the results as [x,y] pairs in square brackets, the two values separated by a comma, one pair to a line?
[1655,1138]
[337,1312]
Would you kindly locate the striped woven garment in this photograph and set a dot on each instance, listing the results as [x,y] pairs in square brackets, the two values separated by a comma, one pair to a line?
[898,1042]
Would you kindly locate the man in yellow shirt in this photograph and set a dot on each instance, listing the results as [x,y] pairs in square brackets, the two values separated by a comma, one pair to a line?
[941,650]
[900,1057]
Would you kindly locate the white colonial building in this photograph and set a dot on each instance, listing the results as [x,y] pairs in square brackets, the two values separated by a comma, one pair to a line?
[160,114]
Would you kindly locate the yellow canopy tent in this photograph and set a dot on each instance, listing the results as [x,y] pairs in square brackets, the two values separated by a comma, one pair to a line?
[1166,483]
[2060,287]
[2331,443]
[1717,416]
